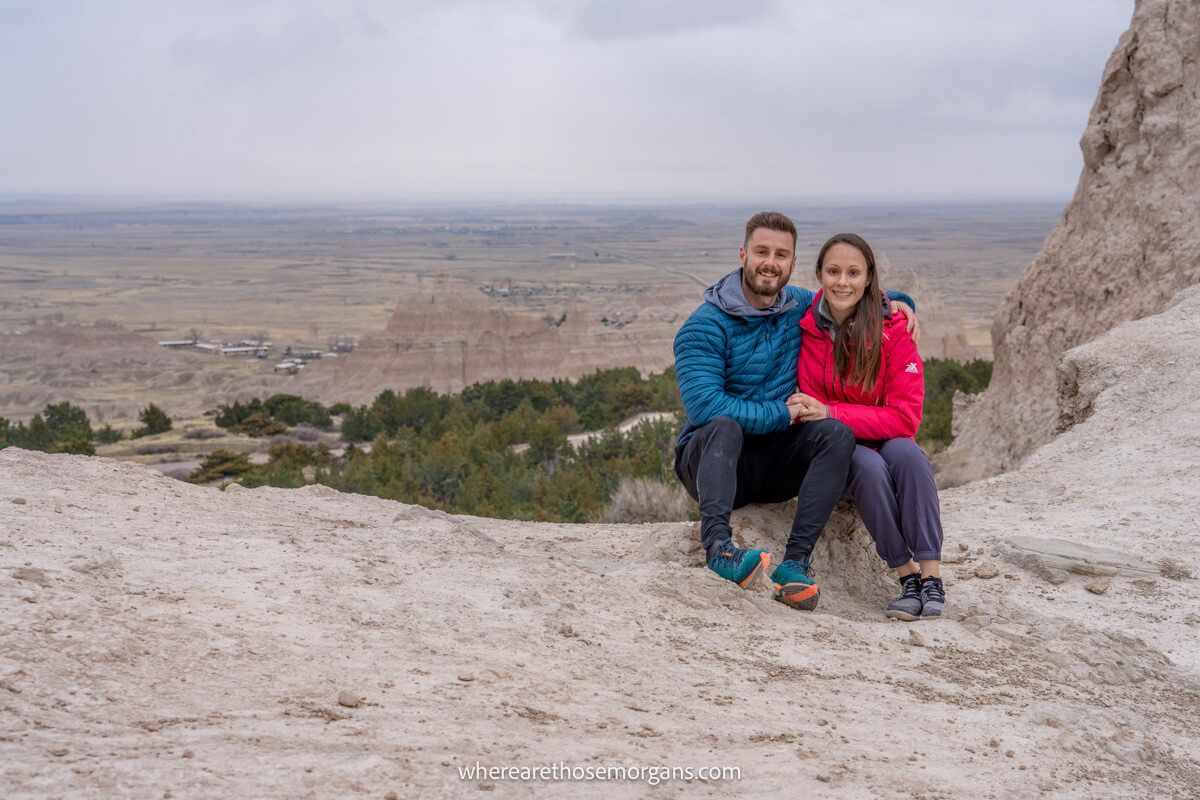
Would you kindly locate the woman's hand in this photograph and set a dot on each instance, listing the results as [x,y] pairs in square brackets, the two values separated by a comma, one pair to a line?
[805,408]
[914,327]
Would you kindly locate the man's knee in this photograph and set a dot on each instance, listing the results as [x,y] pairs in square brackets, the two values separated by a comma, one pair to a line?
[725,430]
[835,435]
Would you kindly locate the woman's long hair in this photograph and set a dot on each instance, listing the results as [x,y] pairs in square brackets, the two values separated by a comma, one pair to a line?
[856,351]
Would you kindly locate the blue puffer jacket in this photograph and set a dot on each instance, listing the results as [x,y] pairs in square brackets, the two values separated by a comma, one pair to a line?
[734,360]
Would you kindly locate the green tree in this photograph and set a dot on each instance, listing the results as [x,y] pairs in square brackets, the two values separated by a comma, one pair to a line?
[361,425]
[220,464]
[943,378]
[73,440]
[154,420]
[66,420]
[107,435]
[230,416]
[546,442]
[38,436]
[259,424]
[293,410]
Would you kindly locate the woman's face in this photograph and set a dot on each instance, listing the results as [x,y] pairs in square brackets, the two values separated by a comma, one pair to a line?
[843,279]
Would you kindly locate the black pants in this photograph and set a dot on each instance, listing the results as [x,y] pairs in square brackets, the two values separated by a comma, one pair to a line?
[723,469]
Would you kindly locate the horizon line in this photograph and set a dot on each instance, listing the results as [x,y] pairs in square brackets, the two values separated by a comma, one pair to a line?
[306,200]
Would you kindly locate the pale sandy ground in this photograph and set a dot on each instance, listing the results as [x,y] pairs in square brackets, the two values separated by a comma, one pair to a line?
[162,639]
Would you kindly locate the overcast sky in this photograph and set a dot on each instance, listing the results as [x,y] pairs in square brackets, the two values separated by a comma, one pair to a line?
[596,99]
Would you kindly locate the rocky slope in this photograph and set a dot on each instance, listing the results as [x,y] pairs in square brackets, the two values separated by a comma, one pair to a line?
[162,639]
[1126,244]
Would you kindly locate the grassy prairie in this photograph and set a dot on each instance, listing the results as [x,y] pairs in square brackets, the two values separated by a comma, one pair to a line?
[305,275]
[308,273]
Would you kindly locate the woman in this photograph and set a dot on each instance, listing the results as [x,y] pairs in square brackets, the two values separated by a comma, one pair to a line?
[858,364]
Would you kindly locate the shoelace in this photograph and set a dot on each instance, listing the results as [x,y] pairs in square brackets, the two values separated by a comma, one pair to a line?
[801,566]
[910,589]
[932,589]
[731,555]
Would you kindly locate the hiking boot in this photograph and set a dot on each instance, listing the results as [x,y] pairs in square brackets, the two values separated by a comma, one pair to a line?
[933,597]
[908,605]
[794,584]
[735,564]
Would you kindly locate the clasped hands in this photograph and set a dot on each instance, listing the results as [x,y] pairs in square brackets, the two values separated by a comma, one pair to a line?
[805,408]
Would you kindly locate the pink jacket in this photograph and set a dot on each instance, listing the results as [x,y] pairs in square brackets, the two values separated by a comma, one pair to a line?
[893,409]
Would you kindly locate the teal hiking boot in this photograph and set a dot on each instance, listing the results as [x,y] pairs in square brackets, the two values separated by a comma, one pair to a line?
[794,584]
[735,564]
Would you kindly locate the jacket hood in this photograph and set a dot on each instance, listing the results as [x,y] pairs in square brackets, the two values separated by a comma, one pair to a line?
[727,295]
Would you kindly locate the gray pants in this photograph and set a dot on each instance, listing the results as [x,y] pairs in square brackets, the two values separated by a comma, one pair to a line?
[894,490]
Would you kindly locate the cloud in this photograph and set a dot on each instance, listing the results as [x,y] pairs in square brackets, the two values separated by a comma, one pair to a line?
[606,20]
[550,97]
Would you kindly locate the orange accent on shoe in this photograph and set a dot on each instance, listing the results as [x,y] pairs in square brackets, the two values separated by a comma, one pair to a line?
[803,594]
[764,561]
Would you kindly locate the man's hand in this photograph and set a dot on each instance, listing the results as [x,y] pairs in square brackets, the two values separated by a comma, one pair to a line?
[914,327]
[795,409]
[805,408]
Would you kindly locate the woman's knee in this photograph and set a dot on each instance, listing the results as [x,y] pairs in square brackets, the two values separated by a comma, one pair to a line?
[867,468]
[905,456]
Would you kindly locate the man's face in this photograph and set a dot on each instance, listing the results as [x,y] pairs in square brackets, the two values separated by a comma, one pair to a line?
[767,261]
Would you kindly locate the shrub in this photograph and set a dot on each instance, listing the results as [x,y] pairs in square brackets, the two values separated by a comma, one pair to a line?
[220,464]
[647,500]
[303,433]
[108,435]
[293,410]
[202,433]
[230,416]
[259,424]
[74,440]
[300,455]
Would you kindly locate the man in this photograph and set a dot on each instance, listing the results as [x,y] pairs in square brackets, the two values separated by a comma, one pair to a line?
[735,360]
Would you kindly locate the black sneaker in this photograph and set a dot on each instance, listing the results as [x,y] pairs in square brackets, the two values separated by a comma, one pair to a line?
[908,605]
[933,597]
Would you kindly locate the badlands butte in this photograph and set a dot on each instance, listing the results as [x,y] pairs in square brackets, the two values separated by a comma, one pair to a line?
[169,640]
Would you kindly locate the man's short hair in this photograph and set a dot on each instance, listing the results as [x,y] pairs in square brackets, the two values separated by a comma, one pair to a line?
[772,221]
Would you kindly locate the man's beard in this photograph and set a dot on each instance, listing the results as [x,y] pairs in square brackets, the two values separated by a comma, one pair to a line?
[767,287]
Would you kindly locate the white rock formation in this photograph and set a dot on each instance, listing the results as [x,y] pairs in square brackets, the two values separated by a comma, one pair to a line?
[447,335]
[1126,244]
[160,637]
